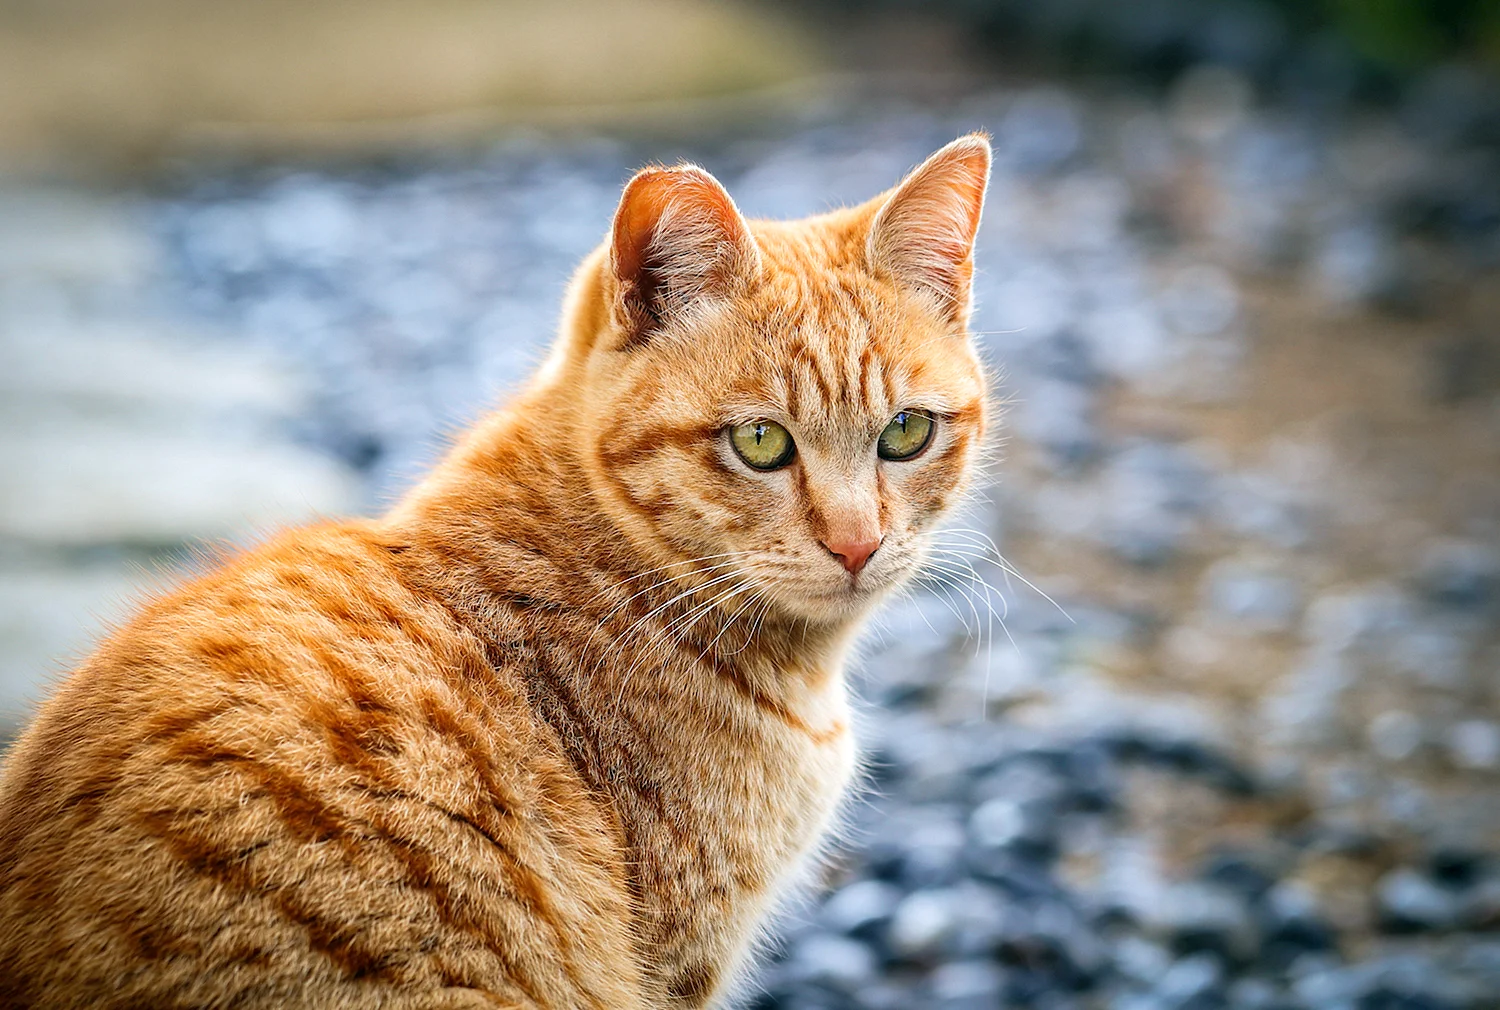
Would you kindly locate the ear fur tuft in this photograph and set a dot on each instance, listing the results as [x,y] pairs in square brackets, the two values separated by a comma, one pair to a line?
[923,235]
[677,238]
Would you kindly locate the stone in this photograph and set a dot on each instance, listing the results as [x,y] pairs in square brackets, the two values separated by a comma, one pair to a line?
[985,914]
[1254,994]
[933,854]
[1433,652]
[1026,827]
[1287,939]
[1059,417]
[1197,917]
[1461,575]
[1308,709]
[1260,506]
[924,924]
[1200,301]
[1358,618]
[1481,961]
[1239,874]
[1323,984]
[997,822]
[1138,1001]
[1395,735]
[1479,904]
[967,985]
[1190,978]
[1140,960]
[1408,901]
[862,908]
[1210,101]
[1156,492]
[834,961]
[1129,341]
[1251,596]
[1133,879]
[1353,262]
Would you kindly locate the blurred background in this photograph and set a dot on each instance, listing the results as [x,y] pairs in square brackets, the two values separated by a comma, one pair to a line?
[1239,274]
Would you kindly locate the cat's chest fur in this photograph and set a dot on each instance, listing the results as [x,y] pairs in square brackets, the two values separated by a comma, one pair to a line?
[723,776]
[757,793]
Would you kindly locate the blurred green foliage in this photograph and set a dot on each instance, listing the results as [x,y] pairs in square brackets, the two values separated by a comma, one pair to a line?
[1409,34]
[1369,47]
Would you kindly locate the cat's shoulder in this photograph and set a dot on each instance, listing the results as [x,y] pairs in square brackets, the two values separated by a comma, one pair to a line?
[306,611]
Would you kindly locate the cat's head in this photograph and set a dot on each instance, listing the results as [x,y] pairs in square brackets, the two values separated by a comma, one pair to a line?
[797,402]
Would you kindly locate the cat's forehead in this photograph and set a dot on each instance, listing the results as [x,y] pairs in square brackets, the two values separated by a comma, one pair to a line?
[833,370]
[826,344]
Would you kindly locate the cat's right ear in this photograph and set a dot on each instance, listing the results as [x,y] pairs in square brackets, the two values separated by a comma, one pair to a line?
[677,238]
[923,234]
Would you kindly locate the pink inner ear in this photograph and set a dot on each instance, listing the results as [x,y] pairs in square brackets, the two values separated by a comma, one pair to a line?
[677,235]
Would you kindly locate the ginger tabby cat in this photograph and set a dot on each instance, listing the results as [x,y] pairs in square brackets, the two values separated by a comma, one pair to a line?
[560,728]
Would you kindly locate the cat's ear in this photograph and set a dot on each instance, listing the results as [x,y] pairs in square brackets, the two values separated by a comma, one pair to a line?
[924,233]
[677,238]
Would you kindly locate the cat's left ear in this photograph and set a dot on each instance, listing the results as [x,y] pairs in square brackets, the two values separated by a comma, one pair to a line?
[924,233]
[677,238]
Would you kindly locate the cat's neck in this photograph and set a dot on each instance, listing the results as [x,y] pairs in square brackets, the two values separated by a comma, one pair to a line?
[512,513]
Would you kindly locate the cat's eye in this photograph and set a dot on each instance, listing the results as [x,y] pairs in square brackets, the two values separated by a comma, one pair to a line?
[765,445]
[906,435]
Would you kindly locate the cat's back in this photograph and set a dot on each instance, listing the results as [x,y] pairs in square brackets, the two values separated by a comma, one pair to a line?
[298,778]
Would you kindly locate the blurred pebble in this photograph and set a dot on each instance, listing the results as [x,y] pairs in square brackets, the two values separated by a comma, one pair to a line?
[1253,994]
[1189,978]
[1395,735]
[1409,901]
[1353,263]
[997,823]
[1200,301]
[968,985]
[834,961]
[1059,417]
[1475,744]
[1139,959]
[1155,492]
[1239,874]
[861,907]
[1209,101]
[1251,596]
[923,924]
[1202,918]
[1462,576]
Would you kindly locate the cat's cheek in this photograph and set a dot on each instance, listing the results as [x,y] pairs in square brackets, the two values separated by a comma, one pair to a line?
[932,487]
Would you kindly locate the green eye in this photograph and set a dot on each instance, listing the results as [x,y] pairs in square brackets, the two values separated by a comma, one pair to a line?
[906,435]
[765,445]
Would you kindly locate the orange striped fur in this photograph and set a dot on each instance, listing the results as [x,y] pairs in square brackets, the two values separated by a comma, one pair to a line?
[560,729]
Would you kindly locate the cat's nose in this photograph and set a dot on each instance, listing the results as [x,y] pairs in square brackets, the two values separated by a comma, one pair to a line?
[853,552]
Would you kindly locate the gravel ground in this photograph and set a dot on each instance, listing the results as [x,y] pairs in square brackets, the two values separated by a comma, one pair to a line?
[1249,758]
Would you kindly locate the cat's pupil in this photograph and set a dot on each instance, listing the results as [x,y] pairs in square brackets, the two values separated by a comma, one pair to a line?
[760,431]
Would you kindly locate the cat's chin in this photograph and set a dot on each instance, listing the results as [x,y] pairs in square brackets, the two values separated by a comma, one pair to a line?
[835,604]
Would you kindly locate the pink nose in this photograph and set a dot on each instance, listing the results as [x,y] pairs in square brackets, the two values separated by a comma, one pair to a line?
[852,552]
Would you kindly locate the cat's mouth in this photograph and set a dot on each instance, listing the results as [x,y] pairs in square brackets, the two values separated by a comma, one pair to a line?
[830,599]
